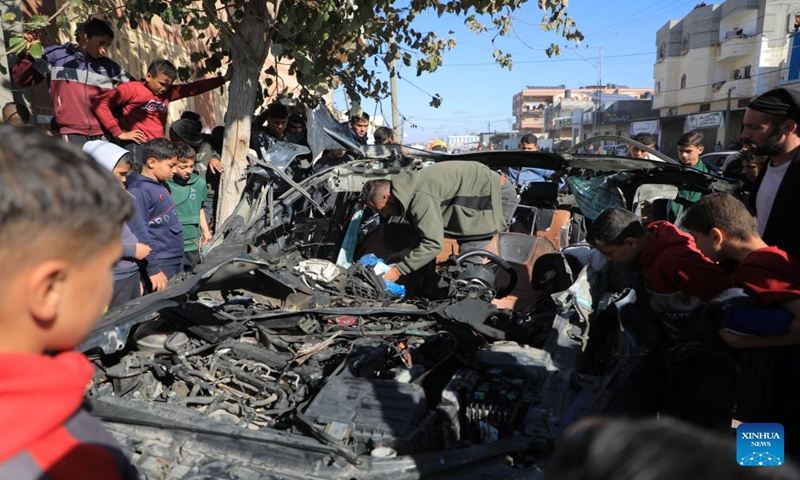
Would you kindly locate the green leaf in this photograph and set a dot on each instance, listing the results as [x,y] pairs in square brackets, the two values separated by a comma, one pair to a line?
[36,50]
[9,17]
[37,21]
[15,42]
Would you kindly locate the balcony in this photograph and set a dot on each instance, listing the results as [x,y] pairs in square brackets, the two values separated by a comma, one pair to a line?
[735,47]
[742,88]
[528,124]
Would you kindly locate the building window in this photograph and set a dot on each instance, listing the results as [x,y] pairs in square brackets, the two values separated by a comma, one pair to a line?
[658,86]
[683,81]
[747,71]
[794,22]
[685,43]
[705,107]
[662,51]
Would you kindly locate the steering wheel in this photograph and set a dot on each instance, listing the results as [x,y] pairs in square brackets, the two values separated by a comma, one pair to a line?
[512,274]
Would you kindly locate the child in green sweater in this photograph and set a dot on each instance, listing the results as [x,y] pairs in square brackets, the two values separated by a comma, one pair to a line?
[189,190]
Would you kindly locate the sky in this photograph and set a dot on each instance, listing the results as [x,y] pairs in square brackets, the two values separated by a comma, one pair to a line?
[477,93]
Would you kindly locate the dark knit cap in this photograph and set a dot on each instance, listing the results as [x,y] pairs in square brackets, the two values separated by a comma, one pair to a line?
[779,101]
[189,130]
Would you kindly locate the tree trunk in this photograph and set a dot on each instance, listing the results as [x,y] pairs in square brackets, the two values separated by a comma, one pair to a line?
[252,37]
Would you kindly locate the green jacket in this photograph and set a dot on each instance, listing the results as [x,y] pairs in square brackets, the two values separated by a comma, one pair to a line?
[690,195]
[188,197]
[457,199]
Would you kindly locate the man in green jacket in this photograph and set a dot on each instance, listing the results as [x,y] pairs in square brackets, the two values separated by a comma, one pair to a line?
[462,200]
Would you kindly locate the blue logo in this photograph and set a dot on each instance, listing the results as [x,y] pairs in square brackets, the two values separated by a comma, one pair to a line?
[759,444]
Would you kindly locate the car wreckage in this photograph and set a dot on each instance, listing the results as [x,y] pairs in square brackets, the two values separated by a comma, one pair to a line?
[285,356]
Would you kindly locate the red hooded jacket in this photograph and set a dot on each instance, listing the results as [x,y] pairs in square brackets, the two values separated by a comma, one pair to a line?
[671,262]
[46,434]
[772,274]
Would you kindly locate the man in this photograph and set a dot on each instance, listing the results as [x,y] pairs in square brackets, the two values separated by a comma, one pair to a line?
[462,200]
[358,127]
[523,176]
[770,128]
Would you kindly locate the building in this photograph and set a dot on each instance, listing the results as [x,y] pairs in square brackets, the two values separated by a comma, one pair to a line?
[572,119]
[463,142]
[530,104]
[711,63]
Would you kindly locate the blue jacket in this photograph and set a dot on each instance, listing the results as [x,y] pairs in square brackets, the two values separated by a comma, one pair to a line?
[159,226]
[525,175]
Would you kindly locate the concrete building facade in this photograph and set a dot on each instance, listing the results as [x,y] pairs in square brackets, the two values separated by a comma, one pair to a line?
[712,62]
[529,105]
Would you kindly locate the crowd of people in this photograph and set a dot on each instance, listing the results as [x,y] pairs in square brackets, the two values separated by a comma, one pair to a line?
[59,236]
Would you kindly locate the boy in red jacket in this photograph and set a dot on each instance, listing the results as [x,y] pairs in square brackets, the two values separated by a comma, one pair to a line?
[78,74]
[143,105]
[770,361]
[59,239]
[724,228]
[679,276]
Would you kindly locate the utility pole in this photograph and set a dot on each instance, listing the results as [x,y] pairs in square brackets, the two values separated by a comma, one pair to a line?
[727,117]
[599,90]
[396,127]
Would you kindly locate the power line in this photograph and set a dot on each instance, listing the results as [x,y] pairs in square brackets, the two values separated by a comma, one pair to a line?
[614,28]
[542,61]
[465,119]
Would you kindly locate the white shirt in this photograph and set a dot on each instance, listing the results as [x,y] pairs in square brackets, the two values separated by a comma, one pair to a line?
[766,193]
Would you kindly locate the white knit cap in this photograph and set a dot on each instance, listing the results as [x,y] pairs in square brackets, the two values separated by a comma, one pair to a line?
[105,153]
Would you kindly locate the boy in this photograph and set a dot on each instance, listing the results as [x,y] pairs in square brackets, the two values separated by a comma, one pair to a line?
[189,130]
[296,130]
[679,276]
[274,120]
[690,147]
[768,392]
[648,141]
[359,128]
[59,239]
[127,279]
[143,105]
[158,224]
[78,75]
[724,228]
[189,192]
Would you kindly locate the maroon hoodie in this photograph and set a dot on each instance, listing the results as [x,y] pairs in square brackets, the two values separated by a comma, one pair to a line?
[671,262]
[46,434]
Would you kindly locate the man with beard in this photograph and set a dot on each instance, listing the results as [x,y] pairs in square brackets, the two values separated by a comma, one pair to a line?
[771,128]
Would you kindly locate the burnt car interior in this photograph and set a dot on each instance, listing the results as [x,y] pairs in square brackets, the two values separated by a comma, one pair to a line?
[284,356]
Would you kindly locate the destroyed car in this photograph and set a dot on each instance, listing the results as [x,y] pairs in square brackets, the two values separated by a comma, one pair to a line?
[285,356]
